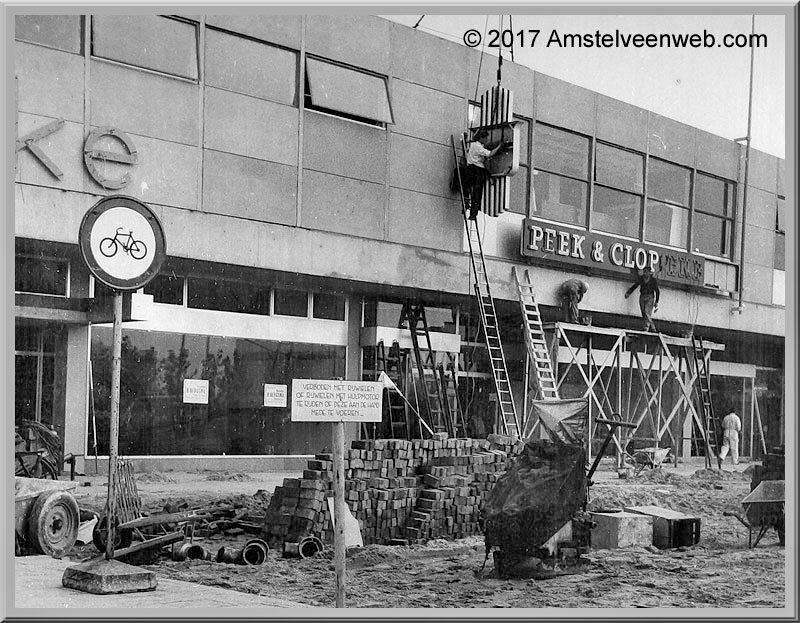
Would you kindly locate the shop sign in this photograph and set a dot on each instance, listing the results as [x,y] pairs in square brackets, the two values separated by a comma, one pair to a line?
[336,401]
[274,395]
[542,240]
[195,391]
[122,242]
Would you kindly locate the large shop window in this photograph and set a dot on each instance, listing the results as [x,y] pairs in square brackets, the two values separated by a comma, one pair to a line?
[668,199]
[328,306]
[291,302]
[155,420]
[619,181]
[561,175]
[166,288]
[713,218]
[347,92]
[149,41]
[40,275]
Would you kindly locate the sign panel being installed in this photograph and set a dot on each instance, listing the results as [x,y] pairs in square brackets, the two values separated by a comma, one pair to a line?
[336,401]
[122,242]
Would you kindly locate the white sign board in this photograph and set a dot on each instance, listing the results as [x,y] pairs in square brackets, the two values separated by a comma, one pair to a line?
[336,401]
[275,395]
[195,391]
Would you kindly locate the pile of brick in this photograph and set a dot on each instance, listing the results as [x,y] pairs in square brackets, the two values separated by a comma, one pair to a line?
[398,490]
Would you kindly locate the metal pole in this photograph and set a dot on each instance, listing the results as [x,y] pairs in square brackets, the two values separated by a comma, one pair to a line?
[746,172]
[338,512]
[116,369]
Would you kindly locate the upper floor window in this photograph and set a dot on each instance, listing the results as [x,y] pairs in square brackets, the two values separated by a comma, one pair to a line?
[154,42]
[713,218]
[779,260]
[619,182]
[668,200]
[228,295]
[347,92]
[41,275]
[561,175]
[166,288]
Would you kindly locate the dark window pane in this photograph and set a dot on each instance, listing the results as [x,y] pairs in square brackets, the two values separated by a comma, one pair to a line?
[667,224]
[619,168]
[148,41]
[668,182]
[780,216]
[518,194]
[291,303]
[780,252]
[57,31]
[713,195]
[344,90]
[442,320]
[560,198]
[166,289]
[616,212]
[251,67]
[328,306]
[711,235]
[560,152]
[228,295]
[40,275]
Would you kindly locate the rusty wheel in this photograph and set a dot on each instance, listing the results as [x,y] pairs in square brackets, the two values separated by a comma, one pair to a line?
[53,523]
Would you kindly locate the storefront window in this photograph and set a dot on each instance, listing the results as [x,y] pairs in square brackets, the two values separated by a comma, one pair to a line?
[38,275]
[228,295]
[166,289]
[328,306]
[155,420]
[561,175]
[291,302]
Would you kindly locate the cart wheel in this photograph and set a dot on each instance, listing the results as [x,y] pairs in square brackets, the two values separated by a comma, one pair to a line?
[53,523]
[122,538]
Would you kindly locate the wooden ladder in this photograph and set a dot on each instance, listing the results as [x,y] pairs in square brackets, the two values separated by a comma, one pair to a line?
[488,313]
[704,400]
[535,339]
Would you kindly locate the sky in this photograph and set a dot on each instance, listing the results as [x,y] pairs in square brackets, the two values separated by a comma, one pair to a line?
[706,88]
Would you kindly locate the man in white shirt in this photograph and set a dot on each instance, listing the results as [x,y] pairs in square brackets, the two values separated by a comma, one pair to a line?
[731,425]
[476,156]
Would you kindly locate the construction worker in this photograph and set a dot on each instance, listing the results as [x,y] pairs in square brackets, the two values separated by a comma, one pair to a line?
[571,293]
[648,297]
[731,425]
[476,172]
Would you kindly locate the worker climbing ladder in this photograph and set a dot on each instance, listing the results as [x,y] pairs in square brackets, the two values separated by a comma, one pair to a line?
[491,330]
[704,400]
[535,338]
[431,375]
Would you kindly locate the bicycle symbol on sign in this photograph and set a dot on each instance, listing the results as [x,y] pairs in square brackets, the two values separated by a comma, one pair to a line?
[135,248]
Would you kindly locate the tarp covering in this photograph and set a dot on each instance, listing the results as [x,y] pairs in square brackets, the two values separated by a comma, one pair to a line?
[560,420]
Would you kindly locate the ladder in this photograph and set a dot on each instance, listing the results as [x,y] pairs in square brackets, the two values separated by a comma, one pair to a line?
[491,330]
[429,373]
[393,366]
[704,396]
[535,338]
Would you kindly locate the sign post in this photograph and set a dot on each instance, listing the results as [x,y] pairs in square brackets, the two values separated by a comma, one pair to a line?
[337,402]
[123,245]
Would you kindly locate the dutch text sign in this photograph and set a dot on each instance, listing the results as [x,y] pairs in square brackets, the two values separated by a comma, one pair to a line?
[336,401]
[195,391]
[274,395]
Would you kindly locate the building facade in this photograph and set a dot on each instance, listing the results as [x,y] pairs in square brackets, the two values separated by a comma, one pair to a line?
[300,167]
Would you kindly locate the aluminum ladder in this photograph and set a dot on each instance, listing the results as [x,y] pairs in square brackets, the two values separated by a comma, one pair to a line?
[491,330]
[535,338]
[704,399]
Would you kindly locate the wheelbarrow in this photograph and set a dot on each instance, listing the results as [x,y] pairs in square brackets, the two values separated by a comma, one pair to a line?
[764,508]
[46,516]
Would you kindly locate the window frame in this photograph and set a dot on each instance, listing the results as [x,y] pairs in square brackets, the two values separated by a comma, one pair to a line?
[729,219]
[626,191]
[46,258]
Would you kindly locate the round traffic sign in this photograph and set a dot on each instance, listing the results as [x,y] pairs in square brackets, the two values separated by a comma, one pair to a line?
[122,242]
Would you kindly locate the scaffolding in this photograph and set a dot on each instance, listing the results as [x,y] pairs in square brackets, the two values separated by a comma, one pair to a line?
[649,379]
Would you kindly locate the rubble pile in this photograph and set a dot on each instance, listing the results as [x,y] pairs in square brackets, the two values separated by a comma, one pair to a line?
[398,490]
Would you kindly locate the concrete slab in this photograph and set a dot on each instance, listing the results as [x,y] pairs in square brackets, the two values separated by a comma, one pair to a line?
[37,585]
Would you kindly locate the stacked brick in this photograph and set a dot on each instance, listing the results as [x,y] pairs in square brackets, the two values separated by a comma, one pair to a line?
[396,489]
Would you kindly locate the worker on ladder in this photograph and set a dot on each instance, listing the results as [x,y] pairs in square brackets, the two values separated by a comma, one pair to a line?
[476,171]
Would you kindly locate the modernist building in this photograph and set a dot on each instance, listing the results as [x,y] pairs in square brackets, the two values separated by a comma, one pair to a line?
[300,167]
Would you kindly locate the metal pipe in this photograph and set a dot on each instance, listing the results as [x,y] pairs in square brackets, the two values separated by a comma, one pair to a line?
[255,552]
[229,555]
